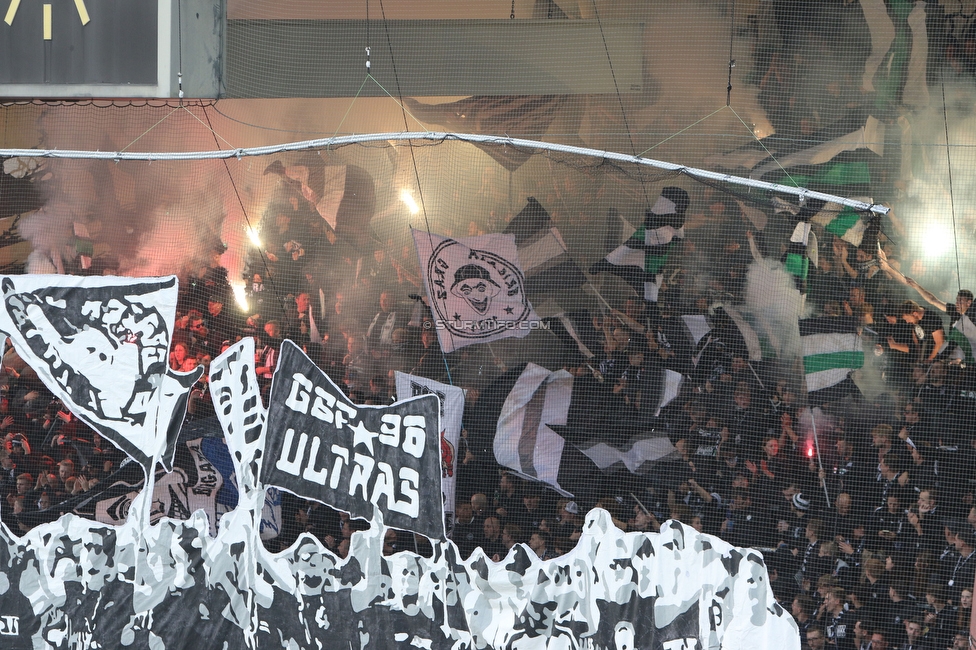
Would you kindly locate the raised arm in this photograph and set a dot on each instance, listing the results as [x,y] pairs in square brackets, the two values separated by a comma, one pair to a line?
[840,254]
[927,295]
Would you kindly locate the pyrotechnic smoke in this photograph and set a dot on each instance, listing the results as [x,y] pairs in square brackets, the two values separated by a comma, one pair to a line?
[775,305]
[936,222]
[816,430]
[148,218]
[166,217]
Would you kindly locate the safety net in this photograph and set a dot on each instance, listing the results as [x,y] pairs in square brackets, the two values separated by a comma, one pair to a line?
[698,261]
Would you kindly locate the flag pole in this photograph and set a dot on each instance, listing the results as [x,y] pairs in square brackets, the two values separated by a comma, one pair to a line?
[593,290]
[816,443]
[606,304]
[642,506]
[497,360]
[761,385]
[816,438]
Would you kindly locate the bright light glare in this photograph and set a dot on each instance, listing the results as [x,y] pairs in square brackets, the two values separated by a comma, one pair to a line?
[252,234]
[407,198]
[937,240]
[240,296]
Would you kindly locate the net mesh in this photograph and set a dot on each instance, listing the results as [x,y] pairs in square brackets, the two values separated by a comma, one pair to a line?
[771,385]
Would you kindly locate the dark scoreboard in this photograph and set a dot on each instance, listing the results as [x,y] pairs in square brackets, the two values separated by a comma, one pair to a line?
[110,48]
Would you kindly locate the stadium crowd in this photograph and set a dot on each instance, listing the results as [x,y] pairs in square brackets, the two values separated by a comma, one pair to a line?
[863,507]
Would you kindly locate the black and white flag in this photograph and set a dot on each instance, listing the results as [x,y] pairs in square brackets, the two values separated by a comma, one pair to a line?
[475,287]
[101,345]
[547,430]
[192,485]
[523,440]
[732,331]
[319,445]
[542,252]
[237,401]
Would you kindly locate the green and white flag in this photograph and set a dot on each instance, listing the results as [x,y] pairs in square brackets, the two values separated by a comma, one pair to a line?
[843,222]
[963,335]
[639,261]
[801,251]
[832,348]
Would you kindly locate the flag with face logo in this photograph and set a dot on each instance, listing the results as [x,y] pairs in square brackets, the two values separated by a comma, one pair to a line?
[475,287]
[101,345]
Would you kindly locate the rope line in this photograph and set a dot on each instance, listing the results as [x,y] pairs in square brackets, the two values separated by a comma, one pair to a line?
[763,145]
[620,101]
[146,132]
[473,138]
[413,155]
[952,197]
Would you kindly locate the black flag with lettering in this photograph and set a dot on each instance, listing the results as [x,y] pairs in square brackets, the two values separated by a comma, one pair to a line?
[321,446]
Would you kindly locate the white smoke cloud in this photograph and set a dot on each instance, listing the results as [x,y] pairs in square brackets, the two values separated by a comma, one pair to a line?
[775,305]
[935,222]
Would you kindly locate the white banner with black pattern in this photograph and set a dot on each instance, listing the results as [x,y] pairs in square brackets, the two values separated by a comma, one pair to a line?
[319,445]
[101,345]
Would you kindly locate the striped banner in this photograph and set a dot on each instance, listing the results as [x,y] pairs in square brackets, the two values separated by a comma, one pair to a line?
[831,349]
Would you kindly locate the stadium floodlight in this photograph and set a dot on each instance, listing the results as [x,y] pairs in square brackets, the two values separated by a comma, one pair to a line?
[254,236]
[409,201]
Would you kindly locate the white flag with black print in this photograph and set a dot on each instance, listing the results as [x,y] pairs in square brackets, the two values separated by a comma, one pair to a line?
[452,411]
[475,288]
[101,345]
[237,401]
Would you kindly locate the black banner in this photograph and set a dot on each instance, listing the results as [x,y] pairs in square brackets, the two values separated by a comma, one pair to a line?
[319,445]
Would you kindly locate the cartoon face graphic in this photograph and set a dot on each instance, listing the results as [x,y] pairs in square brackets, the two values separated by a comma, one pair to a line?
[473,283]
[476,293]
[100,349]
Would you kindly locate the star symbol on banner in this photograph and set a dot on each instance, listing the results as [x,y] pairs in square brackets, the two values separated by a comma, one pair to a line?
[362,435]
[457,316]
[509,310]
